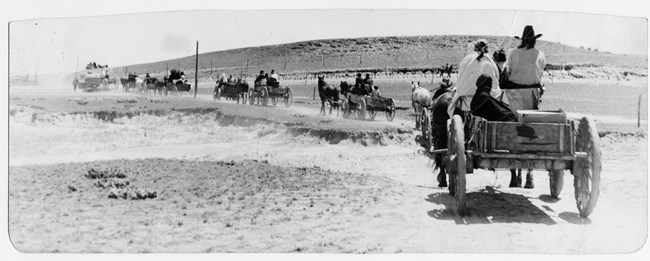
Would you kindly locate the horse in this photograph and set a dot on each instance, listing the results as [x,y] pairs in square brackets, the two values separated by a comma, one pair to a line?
[439,132]
[345,88]
[124,83]
[139,83]
[153,84]
[328,93]
[420,98]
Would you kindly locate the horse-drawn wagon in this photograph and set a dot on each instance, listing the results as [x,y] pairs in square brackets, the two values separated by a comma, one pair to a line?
[542,140]
[362,104]
[263,93]
[235,91]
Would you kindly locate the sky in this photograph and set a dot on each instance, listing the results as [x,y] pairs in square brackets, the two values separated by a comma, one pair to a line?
[53,45]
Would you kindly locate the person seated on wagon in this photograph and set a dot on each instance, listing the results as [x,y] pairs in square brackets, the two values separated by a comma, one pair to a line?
[368,83]
[375,92]
[471,67]
[486,106]
[258,80]
[358,82]
[523,72]
[230,80]
[273,79]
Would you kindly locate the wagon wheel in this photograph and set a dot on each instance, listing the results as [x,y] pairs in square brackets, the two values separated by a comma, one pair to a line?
[586,171]
[345,108]
[361,109]
[264,96]
[426,128]
[556,182]
[251,97]
[288,98]
[457,162]
[390,113]
[372,114]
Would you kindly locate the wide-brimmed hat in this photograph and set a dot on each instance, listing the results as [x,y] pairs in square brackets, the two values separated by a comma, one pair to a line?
[528,33]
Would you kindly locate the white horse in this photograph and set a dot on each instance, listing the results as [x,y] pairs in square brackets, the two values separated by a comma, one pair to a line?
[420,98]
[139,83]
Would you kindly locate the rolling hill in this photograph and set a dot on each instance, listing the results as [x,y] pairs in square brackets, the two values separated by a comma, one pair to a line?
[372,53]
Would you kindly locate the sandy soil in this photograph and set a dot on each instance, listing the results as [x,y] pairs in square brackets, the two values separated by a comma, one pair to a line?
[227,181]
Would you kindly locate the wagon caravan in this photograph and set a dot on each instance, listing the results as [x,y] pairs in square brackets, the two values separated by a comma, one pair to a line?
[525,133]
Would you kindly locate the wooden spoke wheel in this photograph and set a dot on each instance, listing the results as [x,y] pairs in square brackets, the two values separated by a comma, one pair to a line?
[390,112]
[556,182]
[361,109]
[217,94]
[345,108]
[586,171]
[457,162]
[264,96]
[425,127]
[251,97]
[372,114]
[288,98]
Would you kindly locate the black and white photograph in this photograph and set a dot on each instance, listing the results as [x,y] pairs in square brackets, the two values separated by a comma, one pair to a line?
[362,130]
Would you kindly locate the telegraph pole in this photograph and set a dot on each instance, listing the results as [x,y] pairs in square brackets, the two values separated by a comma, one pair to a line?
[196,70]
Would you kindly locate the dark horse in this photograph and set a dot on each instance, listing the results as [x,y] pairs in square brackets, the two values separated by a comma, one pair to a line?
[345,88]
[439,131]
[328,93]
[440,139]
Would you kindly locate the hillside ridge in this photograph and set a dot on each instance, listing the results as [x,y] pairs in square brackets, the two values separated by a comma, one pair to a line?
[379,53]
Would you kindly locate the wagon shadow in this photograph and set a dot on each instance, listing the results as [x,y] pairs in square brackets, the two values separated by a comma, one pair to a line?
[489,206]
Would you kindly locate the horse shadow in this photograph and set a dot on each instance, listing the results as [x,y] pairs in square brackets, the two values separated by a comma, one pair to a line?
[488,206]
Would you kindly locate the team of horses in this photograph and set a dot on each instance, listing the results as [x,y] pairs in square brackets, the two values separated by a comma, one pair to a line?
[155,86]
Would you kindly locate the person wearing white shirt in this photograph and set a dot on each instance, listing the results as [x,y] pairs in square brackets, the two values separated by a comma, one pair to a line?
[524,69]
[471,67]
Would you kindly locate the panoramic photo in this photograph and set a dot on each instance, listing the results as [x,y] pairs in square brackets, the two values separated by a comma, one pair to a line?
[328,131]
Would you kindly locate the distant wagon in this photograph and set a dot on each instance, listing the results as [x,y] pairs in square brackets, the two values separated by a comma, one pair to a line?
[263,93]
[362,104]
[236,91]
[89,81]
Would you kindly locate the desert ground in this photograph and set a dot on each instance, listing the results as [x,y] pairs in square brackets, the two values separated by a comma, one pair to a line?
[126,172]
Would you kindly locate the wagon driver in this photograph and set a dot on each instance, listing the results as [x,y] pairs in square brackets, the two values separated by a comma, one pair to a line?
[524,68]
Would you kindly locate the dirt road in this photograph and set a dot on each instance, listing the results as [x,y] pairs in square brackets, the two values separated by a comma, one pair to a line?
[235,178]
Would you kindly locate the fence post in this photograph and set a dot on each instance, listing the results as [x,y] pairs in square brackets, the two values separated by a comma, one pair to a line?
[638,113]
[196,70]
